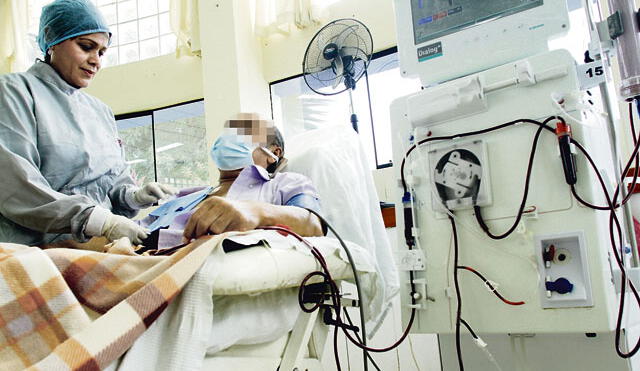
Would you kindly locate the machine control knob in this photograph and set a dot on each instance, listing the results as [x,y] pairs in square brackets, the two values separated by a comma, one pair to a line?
[561,286]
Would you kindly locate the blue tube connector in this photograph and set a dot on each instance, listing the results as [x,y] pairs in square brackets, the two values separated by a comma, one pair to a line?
[561,286]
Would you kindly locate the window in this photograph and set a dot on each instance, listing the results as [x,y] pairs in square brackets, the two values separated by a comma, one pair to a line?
[167,145]
[140,29]
[297,108]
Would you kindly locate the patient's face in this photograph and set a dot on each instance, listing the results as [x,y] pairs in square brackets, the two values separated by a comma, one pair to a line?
[255,131]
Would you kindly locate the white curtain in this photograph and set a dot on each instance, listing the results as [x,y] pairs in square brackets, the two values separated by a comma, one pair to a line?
[280,16]
[13,36]
[185,24]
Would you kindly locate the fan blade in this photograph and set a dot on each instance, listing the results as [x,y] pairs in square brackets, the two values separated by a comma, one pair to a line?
[344,35]
[338,66]
[337,81]
[355,52]
[338,69]
[317,69]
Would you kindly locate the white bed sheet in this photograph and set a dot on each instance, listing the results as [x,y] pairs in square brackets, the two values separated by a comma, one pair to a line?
[197,322]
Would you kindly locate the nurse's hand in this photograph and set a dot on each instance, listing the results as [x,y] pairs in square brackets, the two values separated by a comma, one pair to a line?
[151,193]
[117,226]
[217,215]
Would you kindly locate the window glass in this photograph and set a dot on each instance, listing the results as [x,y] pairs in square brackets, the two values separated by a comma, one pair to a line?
[181,151]
[127,11]
[147,8]
[386,84]
[137,139]
[296,108]
[127,33]
[149,28]
[134,24]
[149,48]
[181,145]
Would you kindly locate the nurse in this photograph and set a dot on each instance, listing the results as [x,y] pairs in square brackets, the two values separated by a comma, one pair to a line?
[63,170]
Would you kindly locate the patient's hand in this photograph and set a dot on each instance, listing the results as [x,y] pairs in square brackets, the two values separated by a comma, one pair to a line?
[218,215]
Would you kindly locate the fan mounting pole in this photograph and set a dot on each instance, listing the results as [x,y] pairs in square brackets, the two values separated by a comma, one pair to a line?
[354,117]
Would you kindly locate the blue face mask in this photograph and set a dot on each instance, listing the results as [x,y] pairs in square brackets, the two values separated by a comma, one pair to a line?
[230,152]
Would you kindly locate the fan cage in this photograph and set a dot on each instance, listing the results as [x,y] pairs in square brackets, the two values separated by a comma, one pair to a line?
[353,37]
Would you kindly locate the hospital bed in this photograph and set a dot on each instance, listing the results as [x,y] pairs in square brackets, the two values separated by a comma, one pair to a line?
[201,307]
[257,322]
[334,160]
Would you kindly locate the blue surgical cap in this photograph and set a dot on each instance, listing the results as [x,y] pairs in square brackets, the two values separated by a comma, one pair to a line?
[64,19]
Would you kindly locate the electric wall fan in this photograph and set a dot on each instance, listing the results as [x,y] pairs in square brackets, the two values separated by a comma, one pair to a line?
[336,58]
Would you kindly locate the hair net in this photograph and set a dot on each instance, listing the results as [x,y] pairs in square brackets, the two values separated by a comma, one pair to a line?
[64,19]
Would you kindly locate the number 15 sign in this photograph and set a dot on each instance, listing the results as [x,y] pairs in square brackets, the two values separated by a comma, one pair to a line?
[591,74]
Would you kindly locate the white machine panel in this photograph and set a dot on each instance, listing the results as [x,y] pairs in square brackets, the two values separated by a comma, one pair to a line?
[516,90]
[439,40]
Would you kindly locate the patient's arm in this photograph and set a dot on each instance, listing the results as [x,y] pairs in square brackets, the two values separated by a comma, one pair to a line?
[218,215]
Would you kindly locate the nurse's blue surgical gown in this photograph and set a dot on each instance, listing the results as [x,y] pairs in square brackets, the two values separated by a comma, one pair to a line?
[59,158]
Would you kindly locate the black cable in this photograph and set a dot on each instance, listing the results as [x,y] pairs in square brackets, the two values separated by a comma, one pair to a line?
[373,362]
[339,320]
[335,348]
[356,280]
[355,342]
[613,222]
[527,180]
[637,158]
[462,135]
[458,295]
[633,157]
[334,292]
[541,125]
[469,328]
[333,288]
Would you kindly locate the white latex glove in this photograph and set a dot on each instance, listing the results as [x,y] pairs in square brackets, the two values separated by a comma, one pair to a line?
[117,226]
[151,193]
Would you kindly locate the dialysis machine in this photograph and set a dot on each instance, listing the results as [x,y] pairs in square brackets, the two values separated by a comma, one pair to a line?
[502,253]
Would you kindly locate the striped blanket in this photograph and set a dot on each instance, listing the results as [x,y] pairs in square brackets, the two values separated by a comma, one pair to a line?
[65,309]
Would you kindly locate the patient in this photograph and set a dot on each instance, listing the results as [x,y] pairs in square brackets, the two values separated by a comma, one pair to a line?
[252,192]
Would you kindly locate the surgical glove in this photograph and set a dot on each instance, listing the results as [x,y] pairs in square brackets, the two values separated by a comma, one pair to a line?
[151,193]
[117,226]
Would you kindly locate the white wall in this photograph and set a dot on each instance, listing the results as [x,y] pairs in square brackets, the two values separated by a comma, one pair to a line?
[148,84]
[283,54]
[232,65]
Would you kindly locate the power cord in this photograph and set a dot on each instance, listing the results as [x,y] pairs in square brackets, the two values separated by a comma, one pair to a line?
[361,344]
[334,294]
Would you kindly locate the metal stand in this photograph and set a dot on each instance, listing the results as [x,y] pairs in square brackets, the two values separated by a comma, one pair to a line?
[354,117]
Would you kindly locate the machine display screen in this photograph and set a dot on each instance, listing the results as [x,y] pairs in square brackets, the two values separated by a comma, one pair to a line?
[437,18]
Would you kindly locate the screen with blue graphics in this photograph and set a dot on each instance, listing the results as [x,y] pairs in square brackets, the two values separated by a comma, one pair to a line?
[437,18]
